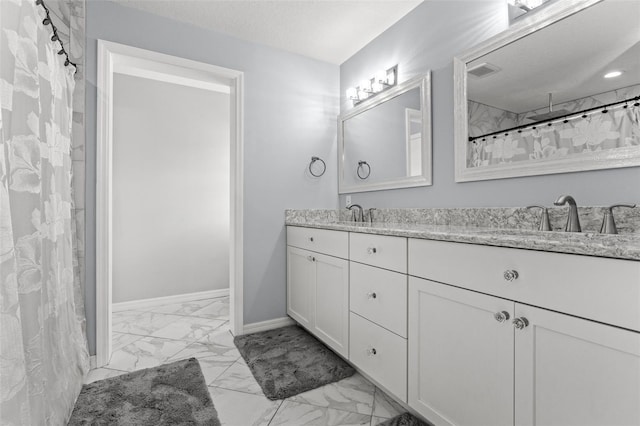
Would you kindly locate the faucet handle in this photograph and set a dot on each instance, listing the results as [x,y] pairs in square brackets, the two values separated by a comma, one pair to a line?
[608,221]
[370,214]
[545,224]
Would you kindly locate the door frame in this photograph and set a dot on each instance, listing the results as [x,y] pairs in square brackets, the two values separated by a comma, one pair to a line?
[120,58]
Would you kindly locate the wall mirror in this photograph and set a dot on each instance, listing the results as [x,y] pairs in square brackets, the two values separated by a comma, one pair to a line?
[385,142]
[555,93]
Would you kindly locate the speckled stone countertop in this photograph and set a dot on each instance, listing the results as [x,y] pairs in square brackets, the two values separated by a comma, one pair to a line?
[621,246]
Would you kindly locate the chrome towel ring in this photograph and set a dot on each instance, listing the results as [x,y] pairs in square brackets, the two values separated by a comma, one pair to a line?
[324,166]
[361,171]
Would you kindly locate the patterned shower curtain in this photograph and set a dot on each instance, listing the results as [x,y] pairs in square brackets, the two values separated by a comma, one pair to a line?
[43,349]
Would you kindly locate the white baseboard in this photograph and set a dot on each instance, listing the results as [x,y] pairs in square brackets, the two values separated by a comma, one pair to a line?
[177,298]
[92,362]
[267,325]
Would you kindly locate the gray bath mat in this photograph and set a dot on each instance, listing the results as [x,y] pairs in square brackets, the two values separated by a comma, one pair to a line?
[288,361]
[404,419]
[170,394]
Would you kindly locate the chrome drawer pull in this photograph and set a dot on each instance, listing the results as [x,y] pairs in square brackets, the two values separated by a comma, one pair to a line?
[372,250]
[372,295]
[511,275]
[371,352]
[311,258]
[520,323]
[501,316]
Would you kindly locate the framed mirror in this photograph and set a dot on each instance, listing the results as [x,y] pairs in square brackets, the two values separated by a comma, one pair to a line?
[385,142]
[557,92]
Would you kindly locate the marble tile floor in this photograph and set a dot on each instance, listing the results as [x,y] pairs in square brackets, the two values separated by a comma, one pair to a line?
[200,329]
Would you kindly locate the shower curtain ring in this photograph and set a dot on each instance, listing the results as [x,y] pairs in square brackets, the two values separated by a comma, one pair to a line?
[360,170]
[324,166]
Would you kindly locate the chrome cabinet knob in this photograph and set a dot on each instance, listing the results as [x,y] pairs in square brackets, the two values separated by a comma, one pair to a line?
[372,295]
[311,258]
[520,323]
[501,316]
[372,250]
[311,239]
[511,275]
[371,352]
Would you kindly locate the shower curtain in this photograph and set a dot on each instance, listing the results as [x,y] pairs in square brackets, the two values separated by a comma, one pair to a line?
[43,349]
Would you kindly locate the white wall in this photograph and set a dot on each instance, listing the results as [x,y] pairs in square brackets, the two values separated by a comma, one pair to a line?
[427,39]
[290,107]
[170,189]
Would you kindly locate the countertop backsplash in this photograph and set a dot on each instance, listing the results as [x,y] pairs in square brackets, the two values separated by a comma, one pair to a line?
[627,220]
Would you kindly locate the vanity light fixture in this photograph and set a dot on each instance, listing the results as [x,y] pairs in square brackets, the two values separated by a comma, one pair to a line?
[613,74]
[380,82]
[526,5]
[518,9]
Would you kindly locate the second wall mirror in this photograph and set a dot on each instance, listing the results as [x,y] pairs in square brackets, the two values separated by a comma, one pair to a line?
[558,92]
[385,142]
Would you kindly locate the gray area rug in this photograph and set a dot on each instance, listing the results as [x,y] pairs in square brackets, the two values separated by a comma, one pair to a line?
[288,361]
[404,419]
[170,394]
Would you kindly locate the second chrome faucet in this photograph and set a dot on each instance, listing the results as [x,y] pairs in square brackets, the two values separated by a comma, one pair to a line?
[573,221]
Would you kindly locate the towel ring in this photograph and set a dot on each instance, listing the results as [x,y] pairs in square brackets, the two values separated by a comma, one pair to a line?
[360,170]
[324,166]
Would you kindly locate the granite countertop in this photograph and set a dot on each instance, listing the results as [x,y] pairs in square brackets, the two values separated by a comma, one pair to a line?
[621,246]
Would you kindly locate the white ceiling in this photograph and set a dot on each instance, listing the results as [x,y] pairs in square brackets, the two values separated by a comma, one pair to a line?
[328,30]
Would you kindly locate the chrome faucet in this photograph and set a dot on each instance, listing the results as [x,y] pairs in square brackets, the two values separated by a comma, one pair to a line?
[573,221]
[357,216]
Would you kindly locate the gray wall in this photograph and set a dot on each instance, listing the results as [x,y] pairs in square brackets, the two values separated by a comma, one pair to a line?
[170,189]
[291,104]
[428,38]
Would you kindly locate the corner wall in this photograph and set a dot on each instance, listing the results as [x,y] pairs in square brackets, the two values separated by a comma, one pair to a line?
[291,104]
[428,38]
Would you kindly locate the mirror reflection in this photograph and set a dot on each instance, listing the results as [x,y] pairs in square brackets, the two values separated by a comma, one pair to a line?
[510,86]
[383,144]
[577,95]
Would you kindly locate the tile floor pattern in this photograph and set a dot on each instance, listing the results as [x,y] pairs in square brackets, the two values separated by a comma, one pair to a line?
[153,336]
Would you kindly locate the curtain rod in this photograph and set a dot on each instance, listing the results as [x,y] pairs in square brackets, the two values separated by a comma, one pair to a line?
[54,37]
[564,119]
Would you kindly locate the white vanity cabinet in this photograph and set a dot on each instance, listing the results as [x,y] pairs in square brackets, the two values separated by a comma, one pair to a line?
[471,334]
[378,304]
[471,365]
[460,356]
[572,371]
[318,284]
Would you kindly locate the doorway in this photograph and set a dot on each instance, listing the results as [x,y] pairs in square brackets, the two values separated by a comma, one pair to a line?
[148,257]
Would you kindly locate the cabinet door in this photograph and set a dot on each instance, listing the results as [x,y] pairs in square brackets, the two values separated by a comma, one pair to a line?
[331,302]
[571,371]
[460,355]
[300,285]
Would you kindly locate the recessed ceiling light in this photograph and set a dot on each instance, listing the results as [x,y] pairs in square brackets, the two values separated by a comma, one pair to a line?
[613,74]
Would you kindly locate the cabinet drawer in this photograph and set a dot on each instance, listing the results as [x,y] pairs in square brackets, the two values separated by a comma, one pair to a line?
[380,354]
[604,290]
[379,250]
[334,243]
[379,296]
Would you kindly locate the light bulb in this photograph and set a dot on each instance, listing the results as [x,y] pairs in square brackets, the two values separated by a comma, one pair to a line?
[362,94]
[613,74]
[391,77]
